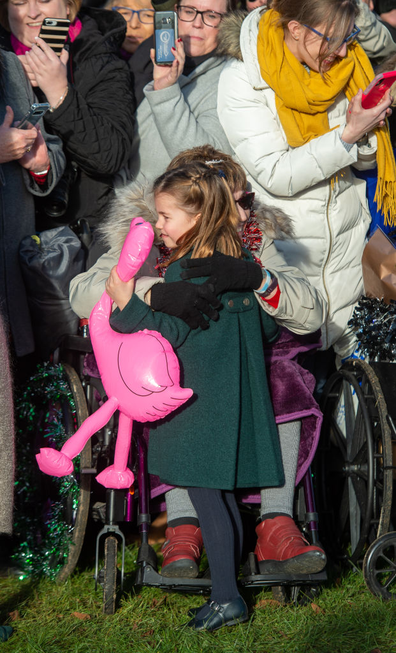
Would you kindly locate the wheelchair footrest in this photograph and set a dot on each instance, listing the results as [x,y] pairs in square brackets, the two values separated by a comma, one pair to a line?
[146,575]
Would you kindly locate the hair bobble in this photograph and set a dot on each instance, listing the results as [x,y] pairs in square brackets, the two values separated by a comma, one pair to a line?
[221,174]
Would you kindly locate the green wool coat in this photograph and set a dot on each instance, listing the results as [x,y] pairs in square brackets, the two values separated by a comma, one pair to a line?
[225,436]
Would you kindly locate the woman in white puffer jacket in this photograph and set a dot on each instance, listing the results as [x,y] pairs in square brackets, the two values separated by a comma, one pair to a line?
[312,181]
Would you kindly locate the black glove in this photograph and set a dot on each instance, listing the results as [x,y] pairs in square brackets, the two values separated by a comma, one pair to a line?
[187,301]
[224,272]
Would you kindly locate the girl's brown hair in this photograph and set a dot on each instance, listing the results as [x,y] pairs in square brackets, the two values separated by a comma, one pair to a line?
[234,173]
[74,8]
[336,15]
[200,189]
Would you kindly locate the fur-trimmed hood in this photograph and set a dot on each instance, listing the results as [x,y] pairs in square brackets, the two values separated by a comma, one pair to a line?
[137,200]
[131,201]
[229,34]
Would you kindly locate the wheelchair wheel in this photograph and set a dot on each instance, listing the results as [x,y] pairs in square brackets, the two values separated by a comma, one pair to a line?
[110,575]
[353,463]
[52,512]
[379,567]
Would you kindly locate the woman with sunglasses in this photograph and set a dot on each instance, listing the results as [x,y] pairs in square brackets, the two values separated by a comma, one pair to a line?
[291,108]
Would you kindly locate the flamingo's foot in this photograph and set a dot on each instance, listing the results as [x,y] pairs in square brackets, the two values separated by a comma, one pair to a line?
[115,479]
[54,463]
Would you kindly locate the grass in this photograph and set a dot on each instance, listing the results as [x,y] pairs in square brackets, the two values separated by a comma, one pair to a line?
[52,618]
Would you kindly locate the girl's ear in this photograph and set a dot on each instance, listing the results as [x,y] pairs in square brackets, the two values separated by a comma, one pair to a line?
[295,29]
[196,218]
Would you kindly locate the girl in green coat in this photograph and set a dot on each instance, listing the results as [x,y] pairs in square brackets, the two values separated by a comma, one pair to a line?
[225,437]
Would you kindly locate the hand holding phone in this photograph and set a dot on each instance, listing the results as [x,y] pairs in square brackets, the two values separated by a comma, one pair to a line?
[31,118]
[375,91]
[13,143]
[165,76]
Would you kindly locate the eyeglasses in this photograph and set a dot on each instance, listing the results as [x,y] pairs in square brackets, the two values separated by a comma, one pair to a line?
[331,39]
[144,15]
[189,14]
[246,201]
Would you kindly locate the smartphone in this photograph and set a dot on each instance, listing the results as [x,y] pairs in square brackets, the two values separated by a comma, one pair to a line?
[377,89]
[165,35]
[54,31]
[36,111]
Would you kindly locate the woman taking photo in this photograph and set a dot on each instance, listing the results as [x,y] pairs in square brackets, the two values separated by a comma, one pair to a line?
[291,109]
[88,88]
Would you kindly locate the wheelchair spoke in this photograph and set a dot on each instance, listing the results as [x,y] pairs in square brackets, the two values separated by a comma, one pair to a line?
[339,436]
[360,492]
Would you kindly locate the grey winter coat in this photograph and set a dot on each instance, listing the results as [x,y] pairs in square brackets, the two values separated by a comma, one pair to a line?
[17,204]
[175,119]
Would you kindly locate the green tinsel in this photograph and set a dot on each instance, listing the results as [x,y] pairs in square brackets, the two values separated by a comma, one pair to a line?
[41,524]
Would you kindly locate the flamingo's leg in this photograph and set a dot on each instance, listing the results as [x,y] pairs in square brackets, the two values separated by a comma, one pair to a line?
[59,463]
[91,425]
[118,476]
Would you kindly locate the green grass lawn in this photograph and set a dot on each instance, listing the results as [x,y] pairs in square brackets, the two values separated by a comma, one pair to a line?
[51,618]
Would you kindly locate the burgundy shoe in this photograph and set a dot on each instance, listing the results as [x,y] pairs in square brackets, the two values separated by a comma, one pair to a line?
[281,547]
[182,551]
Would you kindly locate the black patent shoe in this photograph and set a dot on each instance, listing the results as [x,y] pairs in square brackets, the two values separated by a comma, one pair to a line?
[221,614]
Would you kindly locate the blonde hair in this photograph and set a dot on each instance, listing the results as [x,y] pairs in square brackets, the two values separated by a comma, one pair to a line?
[74,8]
[200,189]
[234,173]
[331,13]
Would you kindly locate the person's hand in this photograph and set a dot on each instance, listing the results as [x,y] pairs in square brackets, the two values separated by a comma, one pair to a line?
[119,291]
[14,143]
[224,272]
[165,76]
[188,301]
[36,159]
[45,69]
[360,121]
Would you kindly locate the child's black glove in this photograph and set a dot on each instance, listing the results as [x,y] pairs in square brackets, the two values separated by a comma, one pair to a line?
[187,301]
[224,272]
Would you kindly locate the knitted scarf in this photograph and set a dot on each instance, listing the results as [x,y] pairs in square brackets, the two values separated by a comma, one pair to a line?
[302,99]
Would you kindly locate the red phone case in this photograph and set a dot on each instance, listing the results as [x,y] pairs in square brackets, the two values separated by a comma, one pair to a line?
[377,89]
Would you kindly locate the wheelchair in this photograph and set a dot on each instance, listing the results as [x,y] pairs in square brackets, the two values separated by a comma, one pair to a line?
[72,501]
[355,468]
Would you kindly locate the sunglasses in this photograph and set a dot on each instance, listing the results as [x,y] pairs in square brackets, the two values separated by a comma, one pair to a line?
[246,201]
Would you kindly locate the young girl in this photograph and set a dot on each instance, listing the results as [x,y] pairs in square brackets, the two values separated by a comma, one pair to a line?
[225,437]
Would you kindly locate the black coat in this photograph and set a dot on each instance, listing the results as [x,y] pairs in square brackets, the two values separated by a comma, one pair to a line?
[95,121]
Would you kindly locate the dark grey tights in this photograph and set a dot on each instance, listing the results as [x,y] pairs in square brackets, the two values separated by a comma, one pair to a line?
[221,527]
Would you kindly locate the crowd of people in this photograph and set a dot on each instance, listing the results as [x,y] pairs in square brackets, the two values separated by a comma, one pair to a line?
[242,154]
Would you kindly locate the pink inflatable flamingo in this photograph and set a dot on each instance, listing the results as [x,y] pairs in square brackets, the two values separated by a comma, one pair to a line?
[140,373]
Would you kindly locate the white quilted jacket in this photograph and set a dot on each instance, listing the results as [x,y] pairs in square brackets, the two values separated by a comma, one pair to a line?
[314,184]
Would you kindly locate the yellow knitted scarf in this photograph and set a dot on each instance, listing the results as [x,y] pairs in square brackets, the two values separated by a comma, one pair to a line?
[302,99]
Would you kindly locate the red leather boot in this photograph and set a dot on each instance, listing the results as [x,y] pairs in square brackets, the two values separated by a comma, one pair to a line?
[281,547]
[182,551]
